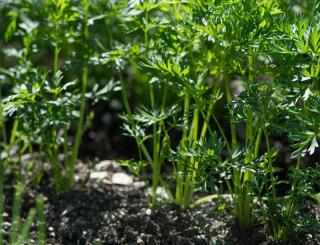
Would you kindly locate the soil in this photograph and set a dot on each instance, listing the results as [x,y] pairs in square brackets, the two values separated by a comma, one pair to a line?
[98,211]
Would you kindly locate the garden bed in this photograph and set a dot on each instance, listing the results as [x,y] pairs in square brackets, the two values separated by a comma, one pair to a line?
[103,210]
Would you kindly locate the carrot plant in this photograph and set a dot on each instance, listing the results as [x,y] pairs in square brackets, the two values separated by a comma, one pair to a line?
[169,75]
[183,67]
[298,116]
[20,229]
[260,105]
[143,17]
[45,102]
[283,213]
[212,46]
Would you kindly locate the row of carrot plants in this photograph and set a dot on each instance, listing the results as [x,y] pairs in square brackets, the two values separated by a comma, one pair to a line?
[195,55]
[215,83]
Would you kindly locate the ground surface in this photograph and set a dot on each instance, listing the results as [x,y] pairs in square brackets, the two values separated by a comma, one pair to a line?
[105,209]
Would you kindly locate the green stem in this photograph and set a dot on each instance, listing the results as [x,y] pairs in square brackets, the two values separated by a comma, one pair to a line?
[189,180]
[243,190]
[66,146]
[128,110]
[186,110]
[273,181]
[274,225]
[180,179]
[2,122]
[2,201]
[54,147]
[158,150]
[232,124]
[125,95]
[249,127]
[222,133]
[41,218]
[206,123]
[146,29]
[53,155]
[146,153]
[258,142]
[56,59]
[141,147]
[3,132]
[11,142]
[292,204]
[209,113]
[79,132]
[16,209]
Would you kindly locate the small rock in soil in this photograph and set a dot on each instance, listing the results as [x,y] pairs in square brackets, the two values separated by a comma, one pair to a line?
[121,179]
[98,175]
[107,165]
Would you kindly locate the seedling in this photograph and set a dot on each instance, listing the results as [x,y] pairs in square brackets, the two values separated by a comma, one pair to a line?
[20,229]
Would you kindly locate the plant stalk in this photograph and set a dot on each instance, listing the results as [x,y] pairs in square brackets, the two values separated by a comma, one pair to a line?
[80,125]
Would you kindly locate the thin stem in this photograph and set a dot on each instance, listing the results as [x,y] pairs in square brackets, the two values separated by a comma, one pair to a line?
[222,133]
[158,150]
[128,110]
[2,201]
[206,126]
[189,181]
[2,122]
[270,164]
[56,59]
[41,218]
[258,142]
[66,146]
[186,110]
[11,141]
[125,95]
[179,182]
[146,29]
[16,209]
[79,132]
[54,148]
[292,204]
[232,124]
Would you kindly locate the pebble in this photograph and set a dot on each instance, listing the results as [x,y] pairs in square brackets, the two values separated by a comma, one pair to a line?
[148,211]
[121,179]
[122,213]
[107,165]
[98,175]
[201,237]
[139,184]
[140,241]
[68,209]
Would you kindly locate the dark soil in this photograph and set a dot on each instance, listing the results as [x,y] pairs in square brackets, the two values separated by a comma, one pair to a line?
[97,211]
